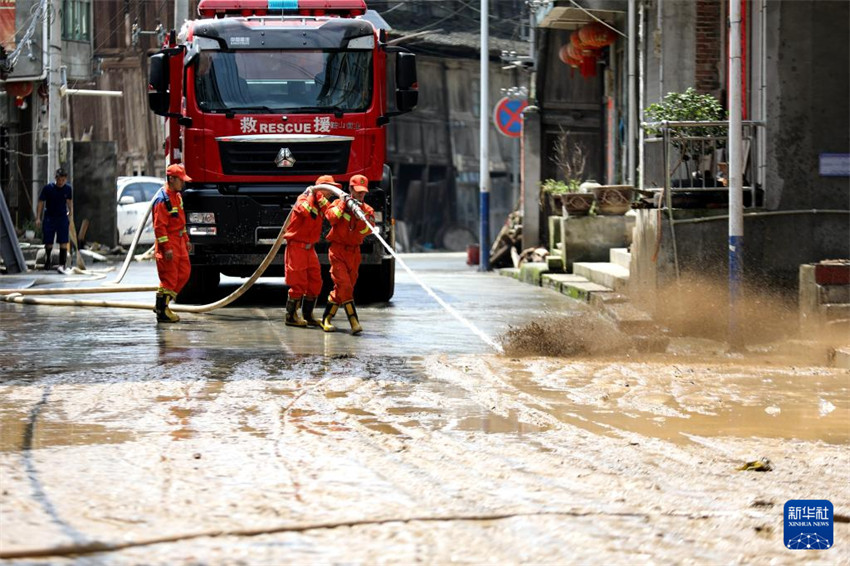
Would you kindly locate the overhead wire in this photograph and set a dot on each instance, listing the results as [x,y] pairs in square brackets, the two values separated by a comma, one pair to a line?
[37,12]
[592,15]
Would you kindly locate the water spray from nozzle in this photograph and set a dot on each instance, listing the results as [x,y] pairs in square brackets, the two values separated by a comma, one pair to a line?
[352,205]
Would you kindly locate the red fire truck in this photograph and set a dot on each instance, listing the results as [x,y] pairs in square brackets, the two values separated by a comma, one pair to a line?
[261,97]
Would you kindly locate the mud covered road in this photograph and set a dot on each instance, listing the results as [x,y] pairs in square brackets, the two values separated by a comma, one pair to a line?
[231,439]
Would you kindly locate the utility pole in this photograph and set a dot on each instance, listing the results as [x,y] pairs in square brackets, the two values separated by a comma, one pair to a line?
[54,82]
[484,142]
[631,179]
[181,13]
[736,188]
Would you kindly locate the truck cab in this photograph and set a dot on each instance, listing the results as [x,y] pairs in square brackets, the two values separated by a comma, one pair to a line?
[261,98]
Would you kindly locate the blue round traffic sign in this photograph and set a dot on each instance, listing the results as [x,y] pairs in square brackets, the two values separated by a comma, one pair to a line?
[508,116]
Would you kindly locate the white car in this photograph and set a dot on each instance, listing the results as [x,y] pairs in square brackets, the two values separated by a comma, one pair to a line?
[134,196]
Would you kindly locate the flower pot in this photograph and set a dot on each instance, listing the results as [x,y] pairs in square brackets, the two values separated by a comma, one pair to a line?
[613,200]
[555,201]
[577,204]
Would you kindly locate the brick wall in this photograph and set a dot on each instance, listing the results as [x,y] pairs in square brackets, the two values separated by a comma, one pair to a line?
[708,29]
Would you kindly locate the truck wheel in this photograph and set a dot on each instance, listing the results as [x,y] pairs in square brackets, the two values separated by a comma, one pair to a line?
[376,283]
[202,284]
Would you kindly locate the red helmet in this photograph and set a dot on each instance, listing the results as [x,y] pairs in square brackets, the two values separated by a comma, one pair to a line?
[177,170]
[327,180]
[359,183]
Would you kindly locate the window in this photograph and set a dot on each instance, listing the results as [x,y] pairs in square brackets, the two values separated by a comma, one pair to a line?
[76,20]
[141,192]
[273,80]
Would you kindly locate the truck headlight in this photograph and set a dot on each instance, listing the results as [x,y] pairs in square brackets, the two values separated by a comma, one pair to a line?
[201,218]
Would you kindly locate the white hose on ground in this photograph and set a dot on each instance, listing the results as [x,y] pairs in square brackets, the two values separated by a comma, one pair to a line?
[17,295]
[80,290]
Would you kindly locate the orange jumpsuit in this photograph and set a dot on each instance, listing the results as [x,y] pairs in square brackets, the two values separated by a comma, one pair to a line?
[169,227]
[303,274]
[346,235]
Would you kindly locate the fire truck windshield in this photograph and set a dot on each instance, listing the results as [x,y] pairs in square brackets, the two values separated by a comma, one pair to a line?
[283,81]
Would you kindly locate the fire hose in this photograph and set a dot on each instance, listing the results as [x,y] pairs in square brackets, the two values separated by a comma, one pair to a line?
[24,296]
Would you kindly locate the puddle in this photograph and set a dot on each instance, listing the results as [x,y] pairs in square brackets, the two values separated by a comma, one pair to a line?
[742,402]
[50,433]
[493,423]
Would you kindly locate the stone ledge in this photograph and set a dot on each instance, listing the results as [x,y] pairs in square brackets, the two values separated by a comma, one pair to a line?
[629,318]
[532,272]
[509,272]
[610,275]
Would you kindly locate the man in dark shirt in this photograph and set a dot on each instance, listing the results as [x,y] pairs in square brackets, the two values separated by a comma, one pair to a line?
[56,203]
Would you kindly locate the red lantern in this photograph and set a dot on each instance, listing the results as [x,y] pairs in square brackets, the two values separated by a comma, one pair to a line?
[588,63]
[575,39]
[574,52]
[596,35]
[20,89]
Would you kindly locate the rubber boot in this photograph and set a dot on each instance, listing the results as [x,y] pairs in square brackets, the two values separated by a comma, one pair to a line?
[293,317]
[163,313]
[63,258]
[307,311]
[330,311]
[172,316]
[352,317]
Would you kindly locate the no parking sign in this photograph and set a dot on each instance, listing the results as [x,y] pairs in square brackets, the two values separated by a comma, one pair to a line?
[507,116]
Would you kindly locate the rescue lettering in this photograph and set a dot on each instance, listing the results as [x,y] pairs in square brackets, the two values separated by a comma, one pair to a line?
[285,128]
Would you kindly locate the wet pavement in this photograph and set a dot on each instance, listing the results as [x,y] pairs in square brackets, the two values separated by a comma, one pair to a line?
[232,439]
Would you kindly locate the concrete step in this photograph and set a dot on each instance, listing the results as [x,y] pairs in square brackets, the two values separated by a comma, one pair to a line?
[840,358]
[833,294]
[574,286]
[630,319]
[509,272]
[615,277]
[620,256]
[835,311]
[532,272]
[557,281]
[599,300]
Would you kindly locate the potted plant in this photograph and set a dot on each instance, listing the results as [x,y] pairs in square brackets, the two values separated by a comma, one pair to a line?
[566,195]
[688,106]
[570,159]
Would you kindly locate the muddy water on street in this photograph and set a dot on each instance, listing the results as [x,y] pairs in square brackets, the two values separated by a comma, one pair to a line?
[230,439]
[428,458]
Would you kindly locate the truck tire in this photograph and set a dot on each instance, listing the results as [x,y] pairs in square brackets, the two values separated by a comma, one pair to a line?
[376,283]
[203,282]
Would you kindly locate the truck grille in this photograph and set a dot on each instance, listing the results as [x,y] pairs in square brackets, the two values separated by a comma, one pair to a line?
[239,158]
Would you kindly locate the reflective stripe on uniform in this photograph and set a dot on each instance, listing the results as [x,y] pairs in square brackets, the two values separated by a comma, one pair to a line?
[365,230]
[162,239]
[310,208]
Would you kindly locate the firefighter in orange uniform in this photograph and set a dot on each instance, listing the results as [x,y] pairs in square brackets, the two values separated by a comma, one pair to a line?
[346,235]
[172,241]
[303,274]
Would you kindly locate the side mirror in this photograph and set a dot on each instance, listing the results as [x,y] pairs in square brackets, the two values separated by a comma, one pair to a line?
[127,199]
[407,88]
[158,75]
